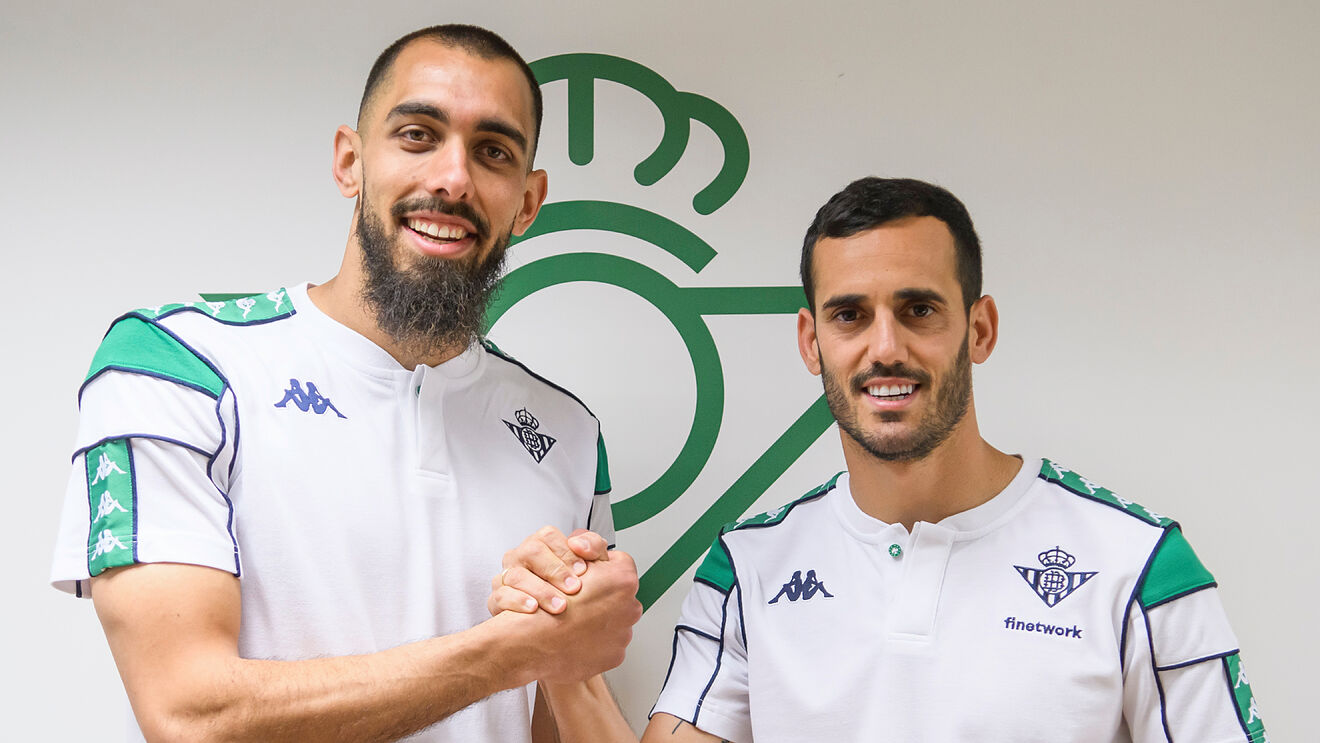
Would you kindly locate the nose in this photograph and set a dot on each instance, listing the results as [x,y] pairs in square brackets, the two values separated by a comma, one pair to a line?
[448,171]
[886,343]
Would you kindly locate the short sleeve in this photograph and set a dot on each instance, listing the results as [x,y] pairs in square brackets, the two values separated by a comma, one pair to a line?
[707,680]
[601,518]
[1183,677]
[150,469]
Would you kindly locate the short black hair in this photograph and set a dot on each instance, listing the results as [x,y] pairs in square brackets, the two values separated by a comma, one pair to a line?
[870,202]
[474,40]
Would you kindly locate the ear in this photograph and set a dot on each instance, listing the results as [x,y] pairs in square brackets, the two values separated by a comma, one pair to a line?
[538,185]
[347,165]
[807,346]
[983,329]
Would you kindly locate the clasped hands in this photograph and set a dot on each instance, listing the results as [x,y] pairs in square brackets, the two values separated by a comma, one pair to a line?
[577,590]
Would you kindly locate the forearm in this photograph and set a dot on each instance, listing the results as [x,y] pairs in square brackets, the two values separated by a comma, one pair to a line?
[586,711]
[377,697]
[178,657]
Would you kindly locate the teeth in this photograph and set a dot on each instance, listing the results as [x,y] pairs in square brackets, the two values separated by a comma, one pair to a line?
[886,390]
[447,232]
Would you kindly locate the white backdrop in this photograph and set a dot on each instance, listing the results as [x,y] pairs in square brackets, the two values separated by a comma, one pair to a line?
[1144,177]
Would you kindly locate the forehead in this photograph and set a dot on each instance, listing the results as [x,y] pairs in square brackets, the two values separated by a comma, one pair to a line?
[909,253]
[458,82]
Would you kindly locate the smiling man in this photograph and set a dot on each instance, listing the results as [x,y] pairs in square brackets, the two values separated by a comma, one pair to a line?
[941,589]
[287,507]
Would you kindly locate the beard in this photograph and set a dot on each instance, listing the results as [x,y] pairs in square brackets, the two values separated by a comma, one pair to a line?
[949,406]
[434,303]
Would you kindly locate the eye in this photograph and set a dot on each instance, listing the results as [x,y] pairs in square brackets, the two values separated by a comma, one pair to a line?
[922,310]
[416,136]
[495,152]
[846,315]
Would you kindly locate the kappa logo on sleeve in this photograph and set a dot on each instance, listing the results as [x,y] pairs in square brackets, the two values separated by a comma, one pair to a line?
[798,588]
[536,443]
[309,399]
[1054,583]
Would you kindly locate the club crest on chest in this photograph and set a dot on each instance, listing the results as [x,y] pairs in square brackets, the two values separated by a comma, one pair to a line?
[536,443]
[1053,582]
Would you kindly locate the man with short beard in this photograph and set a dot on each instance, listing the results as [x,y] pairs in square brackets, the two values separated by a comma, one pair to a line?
[940,589]
[287,507]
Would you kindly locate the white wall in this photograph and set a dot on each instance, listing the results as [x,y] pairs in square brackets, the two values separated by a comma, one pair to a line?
[1144,177]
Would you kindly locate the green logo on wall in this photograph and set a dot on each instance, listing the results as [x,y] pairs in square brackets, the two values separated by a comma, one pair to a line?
[684,307]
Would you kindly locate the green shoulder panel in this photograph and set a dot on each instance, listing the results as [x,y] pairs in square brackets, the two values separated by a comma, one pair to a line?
[230,309]
[1174,571]
[1057,473]
[135,345]
[778,514]
[717,570]
[602,467]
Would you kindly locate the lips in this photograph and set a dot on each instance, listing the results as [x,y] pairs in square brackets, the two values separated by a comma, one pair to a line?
[436,231]
[891,392]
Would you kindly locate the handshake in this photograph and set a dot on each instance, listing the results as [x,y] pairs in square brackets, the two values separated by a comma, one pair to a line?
[570,601]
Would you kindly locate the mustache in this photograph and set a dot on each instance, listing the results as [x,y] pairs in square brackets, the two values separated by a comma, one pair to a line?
[459,209]
[885,370]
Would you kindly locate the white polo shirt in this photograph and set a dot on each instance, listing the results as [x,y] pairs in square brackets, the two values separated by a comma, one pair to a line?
[363,505]
[1057,611]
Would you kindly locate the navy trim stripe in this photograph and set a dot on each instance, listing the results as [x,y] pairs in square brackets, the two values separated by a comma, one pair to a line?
[490,348]
[206,313]
[83,450]
[1188,592]
[141,373]
[673,656]
[1229,681]
[1135,599]
[229,504]
[695,631]
[820,492]
[132,475]
[737,584]
[1091,497]
[1154,672]
[1187,663]
[705,582]
[719,659]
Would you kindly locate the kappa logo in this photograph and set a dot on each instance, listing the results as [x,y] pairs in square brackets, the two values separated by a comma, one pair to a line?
[536,443]
[107,542]
[309,399]
[797,588]
[1054,583]
[108,505]
[106,467]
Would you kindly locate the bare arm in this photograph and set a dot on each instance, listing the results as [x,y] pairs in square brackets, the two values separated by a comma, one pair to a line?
[665,728]
[173,631]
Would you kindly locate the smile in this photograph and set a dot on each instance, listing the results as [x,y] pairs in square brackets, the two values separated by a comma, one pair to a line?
[891,391]
[439,232]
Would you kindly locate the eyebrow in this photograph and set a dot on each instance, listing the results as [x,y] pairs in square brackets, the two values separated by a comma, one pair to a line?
[494,126]
[842,299]
[920,295]
[911,294]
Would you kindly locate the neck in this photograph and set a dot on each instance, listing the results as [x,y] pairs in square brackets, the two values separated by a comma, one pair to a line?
[962,473]
[340,298]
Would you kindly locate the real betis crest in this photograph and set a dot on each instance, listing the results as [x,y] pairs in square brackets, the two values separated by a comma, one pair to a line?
[1053,583]
[537,444]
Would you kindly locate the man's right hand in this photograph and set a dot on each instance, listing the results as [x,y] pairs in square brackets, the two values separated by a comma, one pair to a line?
[590,607]
[545,570]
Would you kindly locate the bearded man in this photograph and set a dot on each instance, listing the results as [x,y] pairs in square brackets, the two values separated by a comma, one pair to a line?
[287,507]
